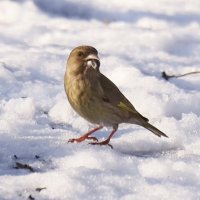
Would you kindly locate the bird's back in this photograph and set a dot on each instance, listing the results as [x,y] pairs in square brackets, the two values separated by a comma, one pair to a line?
[115,97]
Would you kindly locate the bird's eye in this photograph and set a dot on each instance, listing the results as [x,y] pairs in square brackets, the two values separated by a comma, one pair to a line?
[80,54]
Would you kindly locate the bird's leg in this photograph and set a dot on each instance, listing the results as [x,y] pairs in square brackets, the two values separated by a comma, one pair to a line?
[106,142]
[86,136]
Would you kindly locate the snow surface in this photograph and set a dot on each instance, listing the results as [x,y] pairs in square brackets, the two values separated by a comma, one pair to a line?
[136,40]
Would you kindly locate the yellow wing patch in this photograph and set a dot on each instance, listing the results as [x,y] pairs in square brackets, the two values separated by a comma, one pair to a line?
[125,107]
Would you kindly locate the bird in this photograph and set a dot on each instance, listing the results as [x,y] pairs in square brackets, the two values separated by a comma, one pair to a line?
[96,98]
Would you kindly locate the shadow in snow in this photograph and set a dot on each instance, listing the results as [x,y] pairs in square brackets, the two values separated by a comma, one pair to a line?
[145,148]
[182,83]
[150,153]
[84,11]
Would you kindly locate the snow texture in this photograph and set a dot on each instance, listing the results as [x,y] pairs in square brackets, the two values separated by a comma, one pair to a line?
[136,40]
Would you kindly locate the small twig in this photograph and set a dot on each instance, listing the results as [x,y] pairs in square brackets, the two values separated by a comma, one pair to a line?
[15,157]
[30,197]
[40,189]
[167,77]
[37,157]
[23,166]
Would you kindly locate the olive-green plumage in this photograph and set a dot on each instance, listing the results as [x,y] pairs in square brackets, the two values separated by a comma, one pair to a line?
[93,96]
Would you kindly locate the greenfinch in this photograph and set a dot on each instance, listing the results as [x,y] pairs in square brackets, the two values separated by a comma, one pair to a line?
[96,98]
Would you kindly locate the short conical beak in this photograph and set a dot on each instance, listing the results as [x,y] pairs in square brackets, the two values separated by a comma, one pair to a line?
[92,57]
[93,61]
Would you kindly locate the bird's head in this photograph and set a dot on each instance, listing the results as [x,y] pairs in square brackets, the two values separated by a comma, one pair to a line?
[82,59]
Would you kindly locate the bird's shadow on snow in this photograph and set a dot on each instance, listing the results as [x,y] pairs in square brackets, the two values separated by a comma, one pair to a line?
[84,11]
[145,148]
[133,142]
[152,153]
[45,144]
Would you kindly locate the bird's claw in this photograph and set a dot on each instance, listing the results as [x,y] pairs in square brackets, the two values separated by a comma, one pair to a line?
[72,140]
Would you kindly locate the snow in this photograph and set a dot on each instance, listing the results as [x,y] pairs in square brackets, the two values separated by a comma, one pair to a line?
[136,40]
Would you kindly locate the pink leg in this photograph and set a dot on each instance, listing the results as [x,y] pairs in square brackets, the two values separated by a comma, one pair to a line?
[106,142]
[86,136]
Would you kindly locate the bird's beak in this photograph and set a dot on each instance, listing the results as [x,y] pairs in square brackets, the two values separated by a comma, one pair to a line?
[93,60]
[92,57]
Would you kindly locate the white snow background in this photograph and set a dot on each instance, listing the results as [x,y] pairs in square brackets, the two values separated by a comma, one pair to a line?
[136,40]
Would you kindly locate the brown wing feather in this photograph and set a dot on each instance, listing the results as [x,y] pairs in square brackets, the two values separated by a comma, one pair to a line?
[112,92]
[115,97]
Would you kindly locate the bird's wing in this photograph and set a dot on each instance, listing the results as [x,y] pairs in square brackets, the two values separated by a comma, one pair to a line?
[113,95]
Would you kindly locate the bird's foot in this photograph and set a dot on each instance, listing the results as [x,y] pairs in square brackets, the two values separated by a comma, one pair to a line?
[81,139]
[106,142]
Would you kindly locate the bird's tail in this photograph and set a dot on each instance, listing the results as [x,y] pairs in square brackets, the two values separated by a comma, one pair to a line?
[153,129]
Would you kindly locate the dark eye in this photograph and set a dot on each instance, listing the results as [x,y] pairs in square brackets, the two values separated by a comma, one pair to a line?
[80,54]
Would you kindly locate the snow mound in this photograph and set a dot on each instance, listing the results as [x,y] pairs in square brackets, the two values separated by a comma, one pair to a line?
[136,40]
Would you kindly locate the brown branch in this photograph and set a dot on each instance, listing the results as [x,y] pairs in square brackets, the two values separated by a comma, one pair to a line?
[167,77]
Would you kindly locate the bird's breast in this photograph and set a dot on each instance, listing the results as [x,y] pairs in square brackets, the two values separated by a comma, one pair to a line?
[79,93]
[87,100]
